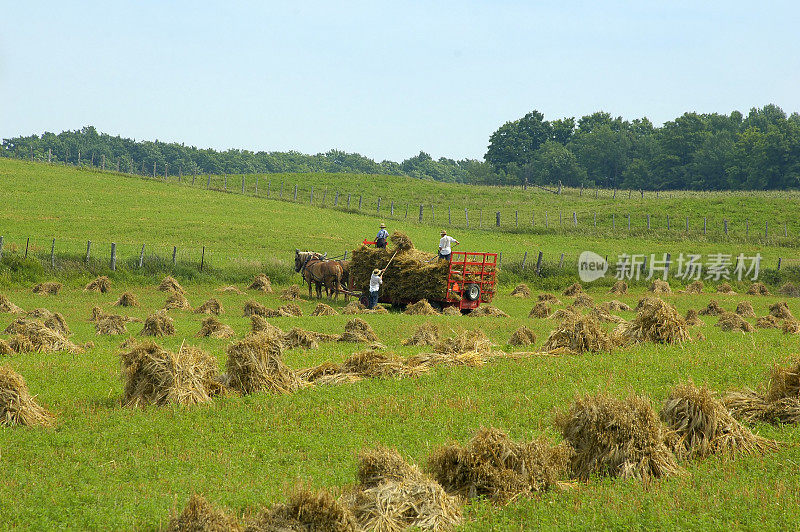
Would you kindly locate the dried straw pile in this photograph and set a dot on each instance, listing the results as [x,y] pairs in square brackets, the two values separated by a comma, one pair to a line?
[200,516]
[254,308]
[213,328]
[745,309]
[758,289]
[259,324]
[725,288]
[127,299]
[412,275]
[781,310]
[564,313]
[695,287]
[155,376]
[297,337]
[324,310]
[620,288]
[212,306]
[261,283]
[780,403]
[34,335]
[789,289]
[522,336]
[583,300]
[358,330]
[730,321]
[101,284]
[158,324]
[177,301]
[790,327]
[50,288]
[541,309]
[451,310]
[256,364]
[52,320]
[615,437]
[467,341]
[573,290]
[374,364]
[169,284]
[660,287]
[712,309]
[306,510]
[605,316]
[21,344]
[705,427]
[578,334]
[97,314]
[657,321]
[768,322]
[394,495]
[426,334]
[521,290]
[17,406]
[493,465]
[421,308]
[287,310]
[8,306]
[230,289]
[614,306]
[5,348]
[488,310]
[291,294]
[111,324]
[550,298]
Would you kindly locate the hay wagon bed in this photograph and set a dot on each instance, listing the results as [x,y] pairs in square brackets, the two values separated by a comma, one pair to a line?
[471,280]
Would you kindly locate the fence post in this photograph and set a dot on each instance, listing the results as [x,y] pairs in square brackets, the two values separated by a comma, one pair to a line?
[280,196]
[53,254]
[524,258]
[269,187]
[687,224]
[466,216]
[648,222]
[27,243]
[360,197]
[242,183]
[497,215]
[295,193]
[194,176]
[113,257]
[500,260]
[345,255]
[225,177]
[406,211]
[546,225]
[747,228]
[785,229]
[256,185]
[666,266]
[533,218]
[141,257]
[449,218]
[391,208]
[595,220]
[779,263]
[613,222]
[668,222]
[560,220]
[539,263]
[378,211]
[574,219]
[420,214]
[725,224]
[348,201]
[336,199]
[561,262]
[174,254]
[595,193]
[629,222]
[208,182]
[202,258]
[766,232]
[311,202]
[1,247]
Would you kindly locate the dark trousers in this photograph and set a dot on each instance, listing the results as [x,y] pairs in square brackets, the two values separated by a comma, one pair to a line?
[445,257]
[373,299]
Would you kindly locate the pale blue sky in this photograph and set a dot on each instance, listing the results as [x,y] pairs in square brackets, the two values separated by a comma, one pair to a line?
[385,79]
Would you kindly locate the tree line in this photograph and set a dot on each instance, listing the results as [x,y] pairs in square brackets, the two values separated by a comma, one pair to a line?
[759,151]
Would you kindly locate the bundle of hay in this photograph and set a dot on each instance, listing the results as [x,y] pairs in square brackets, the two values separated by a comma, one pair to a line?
[578,334]
[424,361]
[158,324]
[8,306]
[326,369]
[200,515]
[230,289]
[657,321]
[421,308]
[541,309]
[426,334]
[324,310]
[725,288]
[451,310]
[644,300]
[97,314]
[288,310]
[768,322]
[583,300]
[354,307]
[52,320]
[155,376]
[614,306]
[789,289]
[177,301]
[712,309]
[603,315]
[564,313]
[790,327]
[261,283]
[573,290]
[745,309]
[394,495]
[50,288]
[692,318]
[5,348]
[401,241]
[694,287]
[521,290]
[779,404]
[660,287]
[705,427]
[101,284]
[111,324]
[212,306]
[522,336]
[466,341]
[488,310]
[291,294]
[758,289]
[730,321]
[17,406]
[169,284]
[550,298]
[127,299]
[213,328]
[306,510]
[34,335]
[493,465]
[256,364]
[374,364]
[297,337]
[620,288]
[781,310]
[357,331]
[615,437]
[254,308]
[260,324]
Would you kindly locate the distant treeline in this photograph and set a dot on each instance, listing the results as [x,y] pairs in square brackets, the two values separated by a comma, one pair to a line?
[759,151]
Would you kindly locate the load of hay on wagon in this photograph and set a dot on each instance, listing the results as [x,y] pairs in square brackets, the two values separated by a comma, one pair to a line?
[412,275]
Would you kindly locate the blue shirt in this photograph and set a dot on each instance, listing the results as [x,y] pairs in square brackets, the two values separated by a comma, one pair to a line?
[382,234]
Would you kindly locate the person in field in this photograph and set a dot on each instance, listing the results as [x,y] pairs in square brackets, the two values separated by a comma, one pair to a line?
[445,245]
[375,282]
[380,238]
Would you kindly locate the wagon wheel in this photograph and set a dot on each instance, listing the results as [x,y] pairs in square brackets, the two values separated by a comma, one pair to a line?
[472,292]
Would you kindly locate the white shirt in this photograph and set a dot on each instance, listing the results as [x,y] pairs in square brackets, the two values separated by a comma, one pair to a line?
[444,244]
[375,283]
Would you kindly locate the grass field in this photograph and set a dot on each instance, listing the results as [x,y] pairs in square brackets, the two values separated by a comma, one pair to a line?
[105,466]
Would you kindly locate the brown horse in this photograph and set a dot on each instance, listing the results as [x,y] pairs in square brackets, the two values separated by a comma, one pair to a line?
[316,269]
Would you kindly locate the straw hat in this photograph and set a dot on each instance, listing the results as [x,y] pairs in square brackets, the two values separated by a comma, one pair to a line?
[383,226]
[443,232]
[376,271]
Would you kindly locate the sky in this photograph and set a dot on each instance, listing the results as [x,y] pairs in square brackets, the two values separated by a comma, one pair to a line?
[384,79]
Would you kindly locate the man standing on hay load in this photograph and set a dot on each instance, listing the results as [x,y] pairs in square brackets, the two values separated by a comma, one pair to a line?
[380,239]
[444,245]
[375,282]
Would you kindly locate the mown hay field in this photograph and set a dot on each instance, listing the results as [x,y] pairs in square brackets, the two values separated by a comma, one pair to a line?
[105,465]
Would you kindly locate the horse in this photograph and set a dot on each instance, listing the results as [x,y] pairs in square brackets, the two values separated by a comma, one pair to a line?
[315,268]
